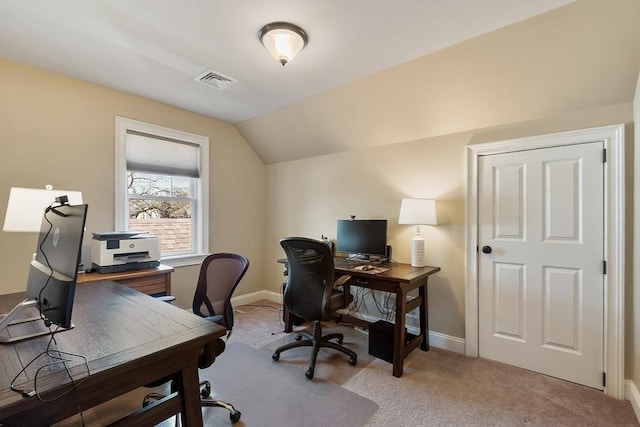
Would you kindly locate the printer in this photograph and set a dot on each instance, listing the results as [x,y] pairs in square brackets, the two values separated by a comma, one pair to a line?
[117,251]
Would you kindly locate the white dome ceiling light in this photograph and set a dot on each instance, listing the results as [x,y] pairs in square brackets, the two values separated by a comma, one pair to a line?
[283,40]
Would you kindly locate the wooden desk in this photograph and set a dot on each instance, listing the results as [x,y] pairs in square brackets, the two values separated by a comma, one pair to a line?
[129,339]
[151,281]
[400,279]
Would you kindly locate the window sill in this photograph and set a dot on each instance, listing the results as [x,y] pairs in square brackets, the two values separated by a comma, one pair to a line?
[183,260]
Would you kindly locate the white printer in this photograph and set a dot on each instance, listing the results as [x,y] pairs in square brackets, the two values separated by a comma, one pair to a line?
[123,251]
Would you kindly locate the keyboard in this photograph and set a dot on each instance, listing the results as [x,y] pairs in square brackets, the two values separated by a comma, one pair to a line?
[345,262]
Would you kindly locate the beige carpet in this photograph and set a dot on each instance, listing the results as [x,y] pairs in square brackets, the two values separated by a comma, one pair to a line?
[442,388]
[331,366]
[438,388]
[274,394]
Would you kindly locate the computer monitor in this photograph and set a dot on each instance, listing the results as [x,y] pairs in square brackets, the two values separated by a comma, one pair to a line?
[362,239]
[52,276]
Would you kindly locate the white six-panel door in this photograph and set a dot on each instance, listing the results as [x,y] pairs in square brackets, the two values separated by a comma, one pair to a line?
[540,263]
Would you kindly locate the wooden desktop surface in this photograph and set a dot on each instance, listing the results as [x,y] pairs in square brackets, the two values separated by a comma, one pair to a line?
[397,273]
[130,339]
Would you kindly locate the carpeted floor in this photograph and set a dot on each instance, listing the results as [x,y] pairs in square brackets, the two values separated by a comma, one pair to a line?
[438,388]
[331,366]
[442,388]
[275,394]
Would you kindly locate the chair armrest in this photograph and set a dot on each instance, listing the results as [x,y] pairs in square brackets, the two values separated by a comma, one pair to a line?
[341,280]
[209,352]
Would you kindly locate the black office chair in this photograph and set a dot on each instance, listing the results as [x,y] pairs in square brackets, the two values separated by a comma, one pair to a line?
[219,276]
[310,295]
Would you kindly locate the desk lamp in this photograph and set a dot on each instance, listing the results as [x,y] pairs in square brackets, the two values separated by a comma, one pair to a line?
[417,212]
[26,206]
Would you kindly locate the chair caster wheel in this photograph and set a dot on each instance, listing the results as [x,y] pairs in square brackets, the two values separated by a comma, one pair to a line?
[234,416]
[205,391]
[353,361]
[309,373]
[275,356]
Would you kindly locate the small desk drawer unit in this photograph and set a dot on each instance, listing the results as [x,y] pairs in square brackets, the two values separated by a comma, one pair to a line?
[151,281]
[149,285]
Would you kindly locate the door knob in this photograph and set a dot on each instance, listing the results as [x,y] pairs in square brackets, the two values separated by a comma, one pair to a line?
[486,249]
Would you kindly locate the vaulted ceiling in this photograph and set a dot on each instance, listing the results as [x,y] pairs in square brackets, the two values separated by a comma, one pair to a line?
[374,72]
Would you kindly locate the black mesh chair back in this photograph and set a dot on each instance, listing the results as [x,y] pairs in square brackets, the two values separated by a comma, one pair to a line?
[310,278]
[220,274]
[310,295]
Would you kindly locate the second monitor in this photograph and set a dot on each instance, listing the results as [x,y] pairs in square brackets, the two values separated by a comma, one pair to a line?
[52,276]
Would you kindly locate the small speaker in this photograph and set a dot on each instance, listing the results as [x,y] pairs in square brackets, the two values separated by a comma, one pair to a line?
[388,254]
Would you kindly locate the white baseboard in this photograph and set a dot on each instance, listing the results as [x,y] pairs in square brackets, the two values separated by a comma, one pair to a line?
[632,394]
[255,297]
[447,342]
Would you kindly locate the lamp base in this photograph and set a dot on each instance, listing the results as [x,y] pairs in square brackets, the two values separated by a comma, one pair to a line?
[417,251]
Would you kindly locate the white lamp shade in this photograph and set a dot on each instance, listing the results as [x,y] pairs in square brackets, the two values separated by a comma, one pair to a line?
[283,40]
[418,212]
[26,207]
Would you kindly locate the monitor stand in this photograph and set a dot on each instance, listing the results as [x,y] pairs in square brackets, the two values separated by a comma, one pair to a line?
[358,257]
[7,321]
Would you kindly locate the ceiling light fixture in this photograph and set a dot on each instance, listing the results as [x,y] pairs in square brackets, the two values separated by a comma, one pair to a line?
[283,40]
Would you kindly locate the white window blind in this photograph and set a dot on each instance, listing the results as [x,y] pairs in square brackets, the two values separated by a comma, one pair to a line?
[159,155]
[162,188]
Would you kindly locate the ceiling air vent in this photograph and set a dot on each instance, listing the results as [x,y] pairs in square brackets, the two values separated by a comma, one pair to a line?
[215,79]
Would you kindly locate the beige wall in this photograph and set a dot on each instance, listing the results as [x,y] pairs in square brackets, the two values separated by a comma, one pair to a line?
[60,131]
[307,196]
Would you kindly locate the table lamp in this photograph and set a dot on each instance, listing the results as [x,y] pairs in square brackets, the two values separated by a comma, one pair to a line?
[417,212]
[26,207]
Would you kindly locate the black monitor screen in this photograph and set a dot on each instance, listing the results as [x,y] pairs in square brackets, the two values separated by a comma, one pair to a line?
[362,237]
[53,272]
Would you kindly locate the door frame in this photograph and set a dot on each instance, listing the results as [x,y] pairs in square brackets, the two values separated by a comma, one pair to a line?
[613,138]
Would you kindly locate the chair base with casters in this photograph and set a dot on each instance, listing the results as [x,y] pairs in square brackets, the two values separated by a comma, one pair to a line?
[206,359]
[205,401]
[317,341]
[205,391]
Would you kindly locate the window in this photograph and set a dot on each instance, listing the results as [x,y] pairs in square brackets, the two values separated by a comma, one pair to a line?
[162,188]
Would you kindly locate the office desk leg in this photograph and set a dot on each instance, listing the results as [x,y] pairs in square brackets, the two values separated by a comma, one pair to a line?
[424,317]
[399,338]
[189,387]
